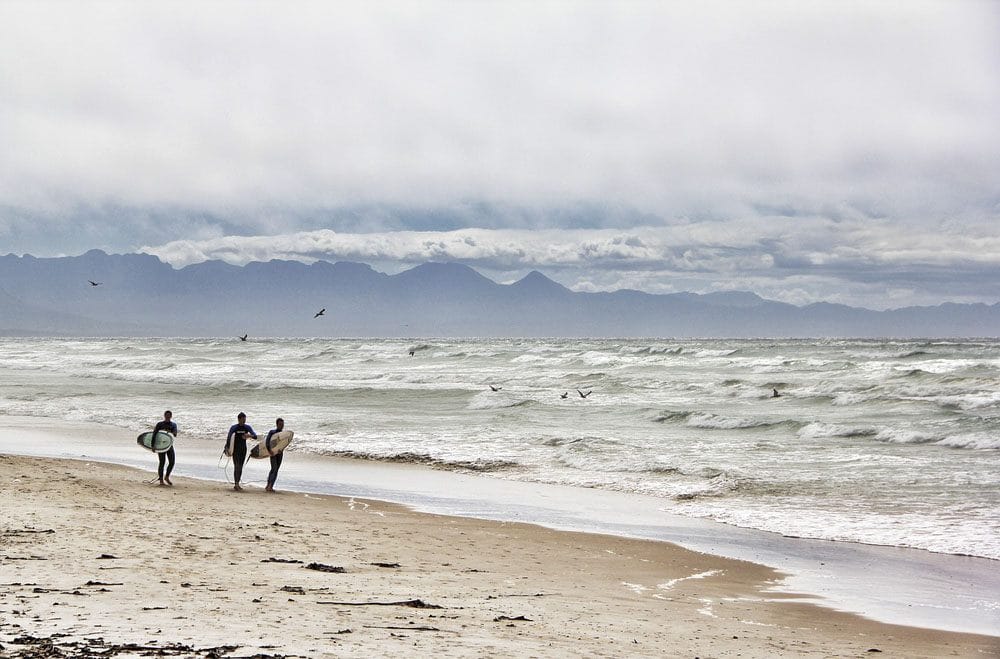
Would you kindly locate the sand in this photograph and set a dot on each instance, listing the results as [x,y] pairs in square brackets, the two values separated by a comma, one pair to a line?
[97,561]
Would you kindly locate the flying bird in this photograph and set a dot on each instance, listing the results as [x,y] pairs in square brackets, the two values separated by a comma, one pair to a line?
[320,312]
[564,394]
[495,388]
[584,395]
[244,337]
[95,283]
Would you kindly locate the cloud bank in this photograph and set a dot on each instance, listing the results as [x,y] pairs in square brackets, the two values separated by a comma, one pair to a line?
[798,260]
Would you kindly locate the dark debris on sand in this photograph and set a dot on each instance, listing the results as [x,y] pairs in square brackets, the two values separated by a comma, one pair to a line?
[41,647]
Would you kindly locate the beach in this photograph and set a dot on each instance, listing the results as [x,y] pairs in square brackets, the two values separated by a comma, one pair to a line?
[96,559]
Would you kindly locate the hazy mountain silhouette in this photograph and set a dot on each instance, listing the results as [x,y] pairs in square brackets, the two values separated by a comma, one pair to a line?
[142,296]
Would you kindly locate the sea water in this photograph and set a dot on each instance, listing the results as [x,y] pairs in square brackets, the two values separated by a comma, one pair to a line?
[878,442]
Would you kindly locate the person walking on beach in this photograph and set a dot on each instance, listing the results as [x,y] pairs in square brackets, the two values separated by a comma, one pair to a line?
[279,425]
[167,425]
[237,439]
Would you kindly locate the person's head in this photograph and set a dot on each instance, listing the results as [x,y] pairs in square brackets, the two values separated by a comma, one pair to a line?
[279,423]
[241,417]
[167,415]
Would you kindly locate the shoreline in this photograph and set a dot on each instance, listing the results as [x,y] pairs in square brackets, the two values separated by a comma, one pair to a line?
[217,569]
[910,587]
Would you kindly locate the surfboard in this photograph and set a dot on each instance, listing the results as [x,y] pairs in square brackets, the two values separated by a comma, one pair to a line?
[158,444]
[229,446]
[279,442]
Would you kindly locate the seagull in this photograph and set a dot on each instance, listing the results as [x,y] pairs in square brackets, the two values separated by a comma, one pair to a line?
[244,337]
[95,283]
[584,395]
[495,388]
[412,352]
[320,312]
[564,394]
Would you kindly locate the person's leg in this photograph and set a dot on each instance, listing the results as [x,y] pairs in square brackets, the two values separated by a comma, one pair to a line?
[159,470]
[171,458]
[273,475]
[239,457]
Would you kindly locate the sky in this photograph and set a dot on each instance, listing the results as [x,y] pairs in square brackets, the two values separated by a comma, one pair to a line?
[807,151]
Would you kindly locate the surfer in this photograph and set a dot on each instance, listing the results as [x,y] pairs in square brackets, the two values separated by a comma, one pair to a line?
[166,426]
[279,425]
[238,436]
[775,394]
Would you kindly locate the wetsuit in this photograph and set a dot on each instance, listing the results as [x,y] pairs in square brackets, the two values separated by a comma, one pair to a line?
[275,459]
[238,436]
[170,427]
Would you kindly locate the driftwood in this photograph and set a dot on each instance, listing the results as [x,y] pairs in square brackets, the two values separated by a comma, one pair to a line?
[322,567]
[413,604]
[280,560]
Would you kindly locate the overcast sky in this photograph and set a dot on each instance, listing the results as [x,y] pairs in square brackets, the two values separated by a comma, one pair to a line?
[839,151]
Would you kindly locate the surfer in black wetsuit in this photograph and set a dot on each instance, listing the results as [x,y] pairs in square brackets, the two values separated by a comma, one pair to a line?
[238,436]
[166,426]
[279,425]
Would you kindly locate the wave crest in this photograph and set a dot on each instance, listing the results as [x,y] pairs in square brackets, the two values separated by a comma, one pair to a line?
[478,465]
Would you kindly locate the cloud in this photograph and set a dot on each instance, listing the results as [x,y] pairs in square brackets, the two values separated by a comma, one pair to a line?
[791,259]
[677,109]
[807,150]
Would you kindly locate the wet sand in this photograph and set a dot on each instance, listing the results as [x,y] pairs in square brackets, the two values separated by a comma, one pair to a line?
[96,560]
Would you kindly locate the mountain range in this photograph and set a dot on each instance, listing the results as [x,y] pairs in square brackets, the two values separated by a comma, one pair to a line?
[139,295]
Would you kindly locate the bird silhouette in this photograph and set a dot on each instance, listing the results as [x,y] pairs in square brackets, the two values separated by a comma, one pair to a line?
[584,395]
[495,388]
[244,337]
[95,283]
[320,312]
[564,394]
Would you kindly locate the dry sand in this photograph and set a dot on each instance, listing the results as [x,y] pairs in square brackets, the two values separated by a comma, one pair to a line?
[96,561]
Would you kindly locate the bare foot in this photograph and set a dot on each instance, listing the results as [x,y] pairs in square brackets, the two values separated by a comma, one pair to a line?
[269,489]
[162,483]
[167,478]
[237,488]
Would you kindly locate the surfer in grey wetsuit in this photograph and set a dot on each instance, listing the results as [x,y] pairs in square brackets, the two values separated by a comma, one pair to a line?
[238,436]
[279,425]
[167,426]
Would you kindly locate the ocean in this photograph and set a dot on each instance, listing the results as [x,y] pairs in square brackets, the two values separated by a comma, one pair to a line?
[890,442]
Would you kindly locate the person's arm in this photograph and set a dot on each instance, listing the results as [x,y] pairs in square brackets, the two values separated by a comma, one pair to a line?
[250,430]
[232,429]
[173,428]
[267,440]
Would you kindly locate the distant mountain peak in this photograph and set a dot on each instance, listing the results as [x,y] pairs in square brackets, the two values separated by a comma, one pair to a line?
[435,270]
[536,281]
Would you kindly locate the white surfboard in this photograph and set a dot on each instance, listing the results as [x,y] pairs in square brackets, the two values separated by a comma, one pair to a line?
[279,442]
[158,442]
